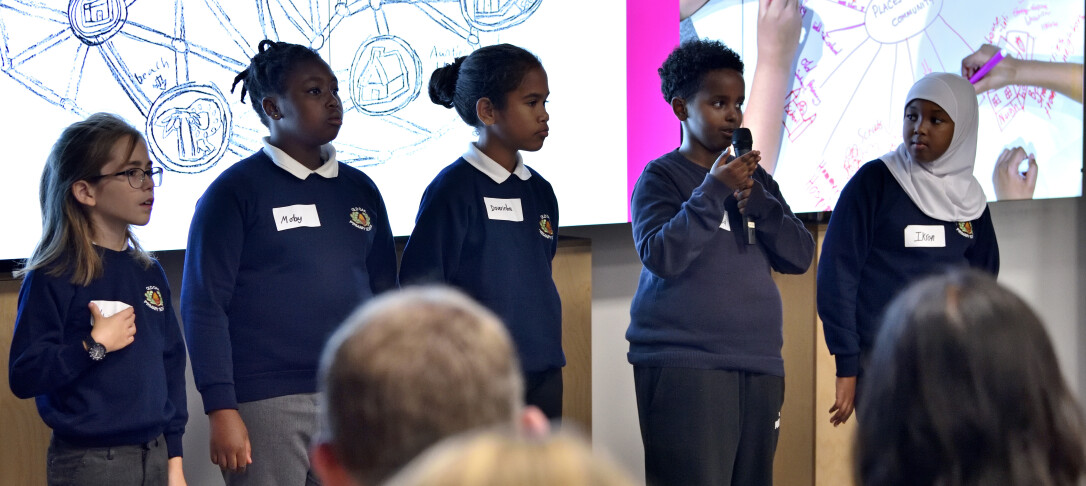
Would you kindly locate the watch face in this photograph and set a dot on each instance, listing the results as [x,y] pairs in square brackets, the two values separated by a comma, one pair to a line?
[97,351]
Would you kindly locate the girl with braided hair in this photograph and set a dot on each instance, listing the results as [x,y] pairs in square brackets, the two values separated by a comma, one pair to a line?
[282,247]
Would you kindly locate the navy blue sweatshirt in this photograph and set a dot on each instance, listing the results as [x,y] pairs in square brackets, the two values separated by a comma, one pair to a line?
[258,303]
[874,247]
[505,265]
[132,395]
[706,299]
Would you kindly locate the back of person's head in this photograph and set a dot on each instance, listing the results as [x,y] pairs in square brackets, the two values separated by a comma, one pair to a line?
[410,368]
[682,72]
[963,388]
[495,458]
[80,153]
[268,71]
[490,72]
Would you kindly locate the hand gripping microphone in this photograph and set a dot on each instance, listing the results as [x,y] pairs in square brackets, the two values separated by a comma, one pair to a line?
[742,143]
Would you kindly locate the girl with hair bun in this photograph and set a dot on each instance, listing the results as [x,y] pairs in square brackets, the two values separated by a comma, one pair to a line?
[487,223]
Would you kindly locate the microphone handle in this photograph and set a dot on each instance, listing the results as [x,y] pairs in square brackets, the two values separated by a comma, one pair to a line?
[748,224]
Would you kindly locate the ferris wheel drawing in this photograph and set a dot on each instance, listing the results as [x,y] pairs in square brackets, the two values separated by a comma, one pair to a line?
[169,64]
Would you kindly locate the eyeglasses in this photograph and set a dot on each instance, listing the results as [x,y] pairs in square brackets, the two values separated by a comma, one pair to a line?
[136,177]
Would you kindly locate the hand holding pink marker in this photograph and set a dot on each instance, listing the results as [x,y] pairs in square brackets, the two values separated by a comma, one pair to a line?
[987,67]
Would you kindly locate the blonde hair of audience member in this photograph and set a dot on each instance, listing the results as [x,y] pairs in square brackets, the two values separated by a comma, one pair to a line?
[406,370]
[963,389]
[495,458]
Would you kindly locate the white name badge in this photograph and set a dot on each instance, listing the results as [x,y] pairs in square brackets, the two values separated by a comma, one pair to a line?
[726,225]
[503,209]
[923,236]
[296,216]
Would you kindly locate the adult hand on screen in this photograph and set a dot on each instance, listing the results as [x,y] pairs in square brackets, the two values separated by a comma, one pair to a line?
[1062,77]
[1009,182]
[779,23]
[1001,74]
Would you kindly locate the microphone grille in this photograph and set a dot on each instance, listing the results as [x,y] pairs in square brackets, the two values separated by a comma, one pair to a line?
[741,137]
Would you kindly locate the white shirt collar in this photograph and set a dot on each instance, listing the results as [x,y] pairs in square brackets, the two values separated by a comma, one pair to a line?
[328,170]
[492,169]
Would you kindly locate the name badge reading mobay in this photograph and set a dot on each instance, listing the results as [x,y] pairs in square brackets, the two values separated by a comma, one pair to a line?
[296,216]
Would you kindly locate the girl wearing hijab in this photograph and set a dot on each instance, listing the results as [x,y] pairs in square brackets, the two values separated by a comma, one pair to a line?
[915,211]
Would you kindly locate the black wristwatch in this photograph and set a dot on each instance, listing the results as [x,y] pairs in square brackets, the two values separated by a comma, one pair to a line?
[96,350]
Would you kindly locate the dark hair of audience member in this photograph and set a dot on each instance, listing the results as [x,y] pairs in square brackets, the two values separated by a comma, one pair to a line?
[963,388]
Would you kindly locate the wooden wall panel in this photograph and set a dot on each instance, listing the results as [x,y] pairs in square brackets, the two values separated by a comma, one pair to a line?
[24,438]
[795,460]
[833,445]
[572,270]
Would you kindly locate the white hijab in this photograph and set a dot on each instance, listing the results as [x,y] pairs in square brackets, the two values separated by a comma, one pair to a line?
[944,189]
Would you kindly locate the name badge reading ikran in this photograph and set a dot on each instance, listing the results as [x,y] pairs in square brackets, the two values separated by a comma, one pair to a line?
[296,216]
[503,209]
[925,236]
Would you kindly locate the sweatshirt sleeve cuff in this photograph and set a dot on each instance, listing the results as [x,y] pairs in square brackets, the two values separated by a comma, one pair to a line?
[77,359]
[713,188]
[847,364]
[218,397]
[174,445]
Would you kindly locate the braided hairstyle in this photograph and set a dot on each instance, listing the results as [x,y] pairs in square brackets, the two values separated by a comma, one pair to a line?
[268,70]
[490,72]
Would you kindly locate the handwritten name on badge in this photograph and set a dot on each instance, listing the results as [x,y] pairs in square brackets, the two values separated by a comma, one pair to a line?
[296,216]
[925,236]
[503,209]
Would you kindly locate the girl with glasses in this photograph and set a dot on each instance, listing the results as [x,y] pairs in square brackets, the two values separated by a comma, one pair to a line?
[96,340]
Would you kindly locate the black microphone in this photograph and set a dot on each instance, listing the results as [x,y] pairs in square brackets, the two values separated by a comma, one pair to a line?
[742,143]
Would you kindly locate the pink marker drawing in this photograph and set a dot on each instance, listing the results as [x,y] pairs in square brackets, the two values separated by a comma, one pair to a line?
[987,67]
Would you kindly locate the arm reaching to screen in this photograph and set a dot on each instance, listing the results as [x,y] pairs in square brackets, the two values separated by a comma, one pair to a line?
[689,7]
[1062,77]
[779,23]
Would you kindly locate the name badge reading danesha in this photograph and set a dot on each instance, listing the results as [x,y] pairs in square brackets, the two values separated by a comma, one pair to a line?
[924,236]
[503,209]
[296,216]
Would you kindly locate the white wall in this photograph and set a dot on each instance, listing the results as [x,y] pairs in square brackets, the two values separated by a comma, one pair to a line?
[1041,259]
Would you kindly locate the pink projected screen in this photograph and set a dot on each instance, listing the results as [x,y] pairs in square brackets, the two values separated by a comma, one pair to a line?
[854,65]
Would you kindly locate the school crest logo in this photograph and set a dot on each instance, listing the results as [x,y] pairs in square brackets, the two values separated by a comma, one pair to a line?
[965,229]
[152,297]
[545,227]
[361,219]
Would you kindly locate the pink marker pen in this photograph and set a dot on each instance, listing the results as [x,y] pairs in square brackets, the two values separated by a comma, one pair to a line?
[987,67]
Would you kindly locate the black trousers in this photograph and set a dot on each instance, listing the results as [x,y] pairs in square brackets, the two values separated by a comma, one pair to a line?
[708,427]
[544,390]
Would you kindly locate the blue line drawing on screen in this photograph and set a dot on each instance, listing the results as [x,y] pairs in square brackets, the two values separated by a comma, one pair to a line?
[385,75]
[197,119]
[171,65]
[858,59]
